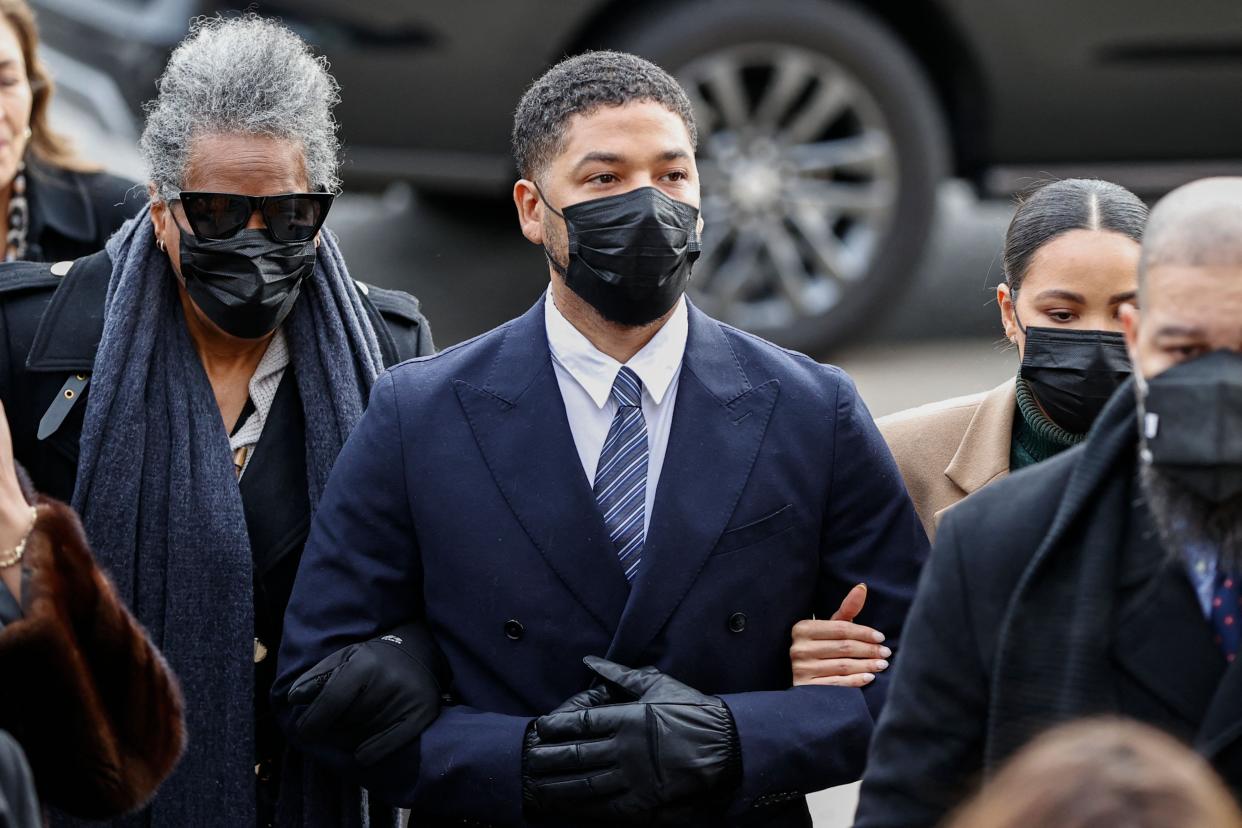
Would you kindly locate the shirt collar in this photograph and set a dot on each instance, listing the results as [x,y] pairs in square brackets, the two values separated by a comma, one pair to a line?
[275,359]
[656,364]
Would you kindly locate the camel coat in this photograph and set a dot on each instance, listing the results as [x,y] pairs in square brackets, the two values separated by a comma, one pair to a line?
[947,450]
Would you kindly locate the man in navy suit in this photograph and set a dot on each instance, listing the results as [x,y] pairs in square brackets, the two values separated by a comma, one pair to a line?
[616,477]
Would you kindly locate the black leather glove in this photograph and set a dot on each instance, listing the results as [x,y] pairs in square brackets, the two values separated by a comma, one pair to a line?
[370,699]
[642,748]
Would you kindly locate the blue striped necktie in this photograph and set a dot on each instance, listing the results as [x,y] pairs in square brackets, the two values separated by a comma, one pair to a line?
[621,476]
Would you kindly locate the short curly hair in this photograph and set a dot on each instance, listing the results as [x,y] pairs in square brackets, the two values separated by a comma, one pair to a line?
[579,85]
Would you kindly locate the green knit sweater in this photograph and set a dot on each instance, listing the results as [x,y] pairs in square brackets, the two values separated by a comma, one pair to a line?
[1035,437]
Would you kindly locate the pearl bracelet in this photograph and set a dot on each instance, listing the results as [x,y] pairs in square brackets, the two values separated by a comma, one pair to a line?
[10,558]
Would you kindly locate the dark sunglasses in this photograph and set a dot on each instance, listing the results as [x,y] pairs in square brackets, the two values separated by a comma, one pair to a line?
[290,217]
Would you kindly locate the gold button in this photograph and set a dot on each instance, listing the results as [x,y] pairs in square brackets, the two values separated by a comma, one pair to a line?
[260,651]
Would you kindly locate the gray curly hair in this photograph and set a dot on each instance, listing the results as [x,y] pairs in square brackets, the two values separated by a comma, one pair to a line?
[241,75]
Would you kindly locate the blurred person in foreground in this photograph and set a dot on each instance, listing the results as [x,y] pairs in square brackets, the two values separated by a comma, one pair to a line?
[1071,261]
[56,205]
[189,388]
[612,477]
[1103,580]
[1103,774]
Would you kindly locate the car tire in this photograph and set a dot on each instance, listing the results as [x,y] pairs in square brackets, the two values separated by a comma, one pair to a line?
[891,90]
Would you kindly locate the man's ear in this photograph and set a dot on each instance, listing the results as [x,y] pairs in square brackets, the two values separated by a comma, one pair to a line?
[530,210]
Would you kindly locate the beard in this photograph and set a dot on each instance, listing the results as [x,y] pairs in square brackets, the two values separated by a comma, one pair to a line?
[1184,519]
[555,243]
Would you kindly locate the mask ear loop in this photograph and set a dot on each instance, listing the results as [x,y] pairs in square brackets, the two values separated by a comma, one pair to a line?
[561,270]
[544,199]
[1013,301]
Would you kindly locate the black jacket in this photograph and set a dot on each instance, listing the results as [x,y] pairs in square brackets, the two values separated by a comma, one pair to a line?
[50,326]
[19,805]
[1048,597]
[72,214]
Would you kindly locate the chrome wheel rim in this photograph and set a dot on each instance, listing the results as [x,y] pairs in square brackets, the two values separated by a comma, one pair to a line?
[799,180]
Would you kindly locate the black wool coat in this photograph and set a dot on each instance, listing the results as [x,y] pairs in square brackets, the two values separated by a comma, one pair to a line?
[73,214]
[19,803]
[1048,597]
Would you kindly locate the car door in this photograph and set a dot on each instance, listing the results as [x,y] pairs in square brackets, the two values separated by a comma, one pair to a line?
[1141,81]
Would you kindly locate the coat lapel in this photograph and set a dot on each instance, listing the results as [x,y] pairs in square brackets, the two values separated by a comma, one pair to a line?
[983,455]
[718,425]
[66,341]
[69,332]
[274,490]
[1222,726]
[1163,617]
[1158,615]
[59,200]
[519,422]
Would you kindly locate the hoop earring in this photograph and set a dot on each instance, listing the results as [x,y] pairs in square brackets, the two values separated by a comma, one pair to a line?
[160,244]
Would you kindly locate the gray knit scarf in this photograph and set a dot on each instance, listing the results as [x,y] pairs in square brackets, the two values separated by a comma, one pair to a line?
[158,495]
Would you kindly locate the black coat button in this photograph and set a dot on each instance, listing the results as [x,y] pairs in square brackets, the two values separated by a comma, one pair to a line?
[514,629]
[737,622]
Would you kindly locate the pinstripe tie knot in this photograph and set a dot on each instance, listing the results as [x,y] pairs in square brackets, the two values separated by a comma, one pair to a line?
[627,389]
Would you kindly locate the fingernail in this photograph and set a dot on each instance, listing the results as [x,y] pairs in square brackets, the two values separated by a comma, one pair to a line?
[868,678]
[856,586]
[881,665]
[878,637]
[885,652]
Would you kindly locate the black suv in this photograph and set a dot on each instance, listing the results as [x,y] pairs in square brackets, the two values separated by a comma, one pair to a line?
[826,124]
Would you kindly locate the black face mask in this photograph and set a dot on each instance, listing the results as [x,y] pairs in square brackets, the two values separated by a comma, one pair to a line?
[1192,425]
[630,254]
[245,284]
[1072,373]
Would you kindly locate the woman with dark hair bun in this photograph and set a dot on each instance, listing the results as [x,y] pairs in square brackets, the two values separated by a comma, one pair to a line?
[1071,261]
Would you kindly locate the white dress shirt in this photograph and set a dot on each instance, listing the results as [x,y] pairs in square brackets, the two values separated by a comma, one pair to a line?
[586,375]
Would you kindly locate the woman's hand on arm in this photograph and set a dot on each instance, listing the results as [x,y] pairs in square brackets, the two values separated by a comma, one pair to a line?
[838,652]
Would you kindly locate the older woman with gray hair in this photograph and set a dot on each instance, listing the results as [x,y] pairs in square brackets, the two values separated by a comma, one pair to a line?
[188,390]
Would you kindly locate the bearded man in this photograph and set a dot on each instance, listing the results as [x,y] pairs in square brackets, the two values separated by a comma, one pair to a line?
[1104,581]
